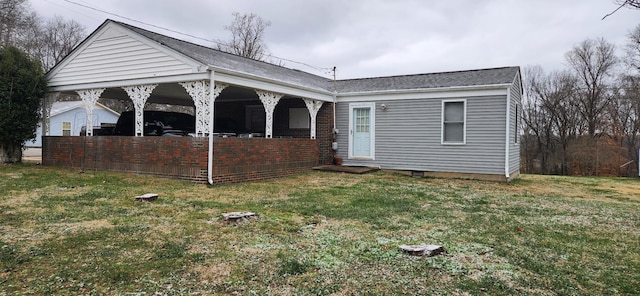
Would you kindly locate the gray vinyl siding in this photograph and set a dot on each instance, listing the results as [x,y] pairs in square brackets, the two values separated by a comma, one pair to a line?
[514,149]
[408,136]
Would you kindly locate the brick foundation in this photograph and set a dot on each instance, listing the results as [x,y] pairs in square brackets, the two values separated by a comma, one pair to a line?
[235,159]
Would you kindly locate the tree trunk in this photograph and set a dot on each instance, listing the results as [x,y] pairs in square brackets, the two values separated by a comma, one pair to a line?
[10,153]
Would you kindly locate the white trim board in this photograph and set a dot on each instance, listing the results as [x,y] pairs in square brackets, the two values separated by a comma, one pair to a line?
[423,94]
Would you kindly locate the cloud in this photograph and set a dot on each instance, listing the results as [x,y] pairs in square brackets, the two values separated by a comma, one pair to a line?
[379,37]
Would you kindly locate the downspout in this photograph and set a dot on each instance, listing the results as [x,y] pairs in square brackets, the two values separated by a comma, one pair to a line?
[334,130]
[211,103]
[508,132]
[335,99]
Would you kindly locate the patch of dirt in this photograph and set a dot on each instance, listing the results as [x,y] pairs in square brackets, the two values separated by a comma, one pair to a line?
[21,198]
[625,189]
[214,273]
[74,227]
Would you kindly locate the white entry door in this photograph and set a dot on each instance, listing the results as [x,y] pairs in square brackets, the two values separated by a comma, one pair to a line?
[361,130]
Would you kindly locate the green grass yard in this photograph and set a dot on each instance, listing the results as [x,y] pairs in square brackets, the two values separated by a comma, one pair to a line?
[65,232]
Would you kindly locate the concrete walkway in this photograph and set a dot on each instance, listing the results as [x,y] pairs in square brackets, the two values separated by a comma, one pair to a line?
[346,169]
[33,155]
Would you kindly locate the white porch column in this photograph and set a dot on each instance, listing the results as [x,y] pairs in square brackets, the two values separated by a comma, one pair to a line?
[47,103]
[269,100]
[139,95]
[89,98]
[313,106]
[199,92]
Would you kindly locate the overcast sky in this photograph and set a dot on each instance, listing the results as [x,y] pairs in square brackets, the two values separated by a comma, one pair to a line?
[368,38]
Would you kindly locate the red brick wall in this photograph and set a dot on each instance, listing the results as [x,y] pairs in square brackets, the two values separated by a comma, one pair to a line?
[324,133]
[324,126]
[235,159]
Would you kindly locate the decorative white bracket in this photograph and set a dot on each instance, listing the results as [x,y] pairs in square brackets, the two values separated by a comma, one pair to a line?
[139,95]
[47,104]
[199,92]
[218,88]
[89,98]
[269,100]
[313,106]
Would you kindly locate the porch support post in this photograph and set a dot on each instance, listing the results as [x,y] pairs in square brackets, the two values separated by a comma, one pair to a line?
[47,103]
[269,100]
[89,98]
[139,95]
[313,106]
[200,92]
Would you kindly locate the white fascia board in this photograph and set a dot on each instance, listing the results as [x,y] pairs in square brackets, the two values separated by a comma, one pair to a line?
[80,104]
[250,81]
[131,82]
[70,107]
[426,93]
[107,109]
[76,51]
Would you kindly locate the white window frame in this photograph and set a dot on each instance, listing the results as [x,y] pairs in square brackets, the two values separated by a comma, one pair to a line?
[70,128]
[372,129]
[516,135]
[464,123]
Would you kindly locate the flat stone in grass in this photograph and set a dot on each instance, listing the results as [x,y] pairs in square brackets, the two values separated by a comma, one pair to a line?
[149,197]
[423,250]
[238,216]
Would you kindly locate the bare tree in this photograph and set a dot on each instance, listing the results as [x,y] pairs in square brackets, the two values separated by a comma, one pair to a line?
[625,113]
[12,14]
[48,41]
[57,39]
[629,3]
[550,116]
[593,62]
[247,31]
[632,4]
[633,50]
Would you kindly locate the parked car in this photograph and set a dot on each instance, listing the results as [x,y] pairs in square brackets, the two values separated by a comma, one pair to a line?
[156,123]
[105,129]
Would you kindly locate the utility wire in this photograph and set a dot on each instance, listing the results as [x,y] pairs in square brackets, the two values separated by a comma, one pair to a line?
[320,69]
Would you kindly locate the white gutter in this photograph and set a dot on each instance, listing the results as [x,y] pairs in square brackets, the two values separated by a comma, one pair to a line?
[508,132]
[322,92]
[211,103]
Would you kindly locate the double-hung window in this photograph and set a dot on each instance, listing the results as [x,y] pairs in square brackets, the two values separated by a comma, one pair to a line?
[454,117]
[66,128]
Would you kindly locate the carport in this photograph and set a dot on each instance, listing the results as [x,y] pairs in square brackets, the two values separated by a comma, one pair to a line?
[278,108]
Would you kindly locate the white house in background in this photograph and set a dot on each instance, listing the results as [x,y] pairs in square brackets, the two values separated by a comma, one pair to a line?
[68,118]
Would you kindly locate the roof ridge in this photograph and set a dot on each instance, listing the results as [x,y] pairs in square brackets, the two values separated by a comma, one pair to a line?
[431,73]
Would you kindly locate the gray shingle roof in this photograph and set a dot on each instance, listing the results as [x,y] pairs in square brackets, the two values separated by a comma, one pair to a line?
[227,61]
[479,77]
